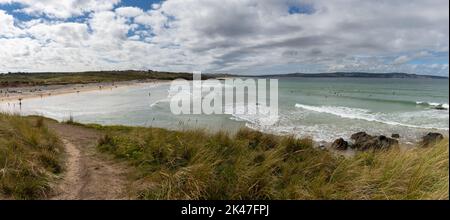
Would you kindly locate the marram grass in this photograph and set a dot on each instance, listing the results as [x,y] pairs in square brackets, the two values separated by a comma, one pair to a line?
[248,165]
[30,157]
[196,165]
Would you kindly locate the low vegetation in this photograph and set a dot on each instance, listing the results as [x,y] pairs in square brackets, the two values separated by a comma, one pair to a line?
[42,79]
[195,164]
[252,165]
[30,157]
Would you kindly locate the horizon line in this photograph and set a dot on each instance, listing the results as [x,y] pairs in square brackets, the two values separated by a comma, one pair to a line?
[223,73]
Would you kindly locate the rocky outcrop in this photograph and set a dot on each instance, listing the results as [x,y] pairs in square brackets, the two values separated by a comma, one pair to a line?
[340,144]
[360,137]
[364,141]
[431,139]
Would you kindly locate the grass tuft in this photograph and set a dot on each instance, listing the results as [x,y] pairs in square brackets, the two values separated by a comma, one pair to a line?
[30,157]
[197,165]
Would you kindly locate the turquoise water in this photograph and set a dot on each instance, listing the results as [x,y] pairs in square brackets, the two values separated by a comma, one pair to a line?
[321,108]
[332,108]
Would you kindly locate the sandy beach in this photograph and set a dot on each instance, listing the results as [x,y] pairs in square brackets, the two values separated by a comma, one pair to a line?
[13,94]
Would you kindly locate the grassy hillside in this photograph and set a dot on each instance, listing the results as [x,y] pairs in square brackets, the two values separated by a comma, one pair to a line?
[247,165]
[253,165]
[36,79]
[29,158]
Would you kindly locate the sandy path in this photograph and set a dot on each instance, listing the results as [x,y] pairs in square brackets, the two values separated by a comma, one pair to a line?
[89,175]
[71,185]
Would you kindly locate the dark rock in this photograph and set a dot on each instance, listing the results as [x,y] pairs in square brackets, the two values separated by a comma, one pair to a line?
[361,137]
[431,139]
[340,144]
[363,141]
[396,136]
[440,108]
[384,142]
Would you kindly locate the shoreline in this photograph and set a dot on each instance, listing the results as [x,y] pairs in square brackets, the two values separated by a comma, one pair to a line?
[10,94]
[17,94]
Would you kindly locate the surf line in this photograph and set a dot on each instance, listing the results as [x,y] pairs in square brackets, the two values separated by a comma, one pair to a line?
[235,91]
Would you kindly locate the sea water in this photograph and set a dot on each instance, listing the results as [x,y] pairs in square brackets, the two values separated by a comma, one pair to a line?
[321,108]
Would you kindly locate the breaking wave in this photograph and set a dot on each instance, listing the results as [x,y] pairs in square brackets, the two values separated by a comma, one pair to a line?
[360,114]
[433,104]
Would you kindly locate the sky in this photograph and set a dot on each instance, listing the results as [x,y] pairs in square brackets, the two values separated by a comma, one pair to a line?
[225,36]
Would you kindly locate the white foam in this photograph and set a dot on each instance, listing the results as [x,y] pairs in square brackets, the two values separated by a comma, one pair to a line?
[258,115]
[433,104]
[159,102]
[360,114]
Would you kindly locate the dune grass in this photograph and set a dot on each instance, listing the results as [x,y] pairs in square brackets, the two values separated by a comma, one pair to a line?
[251,165]
[198,165]
[30,157]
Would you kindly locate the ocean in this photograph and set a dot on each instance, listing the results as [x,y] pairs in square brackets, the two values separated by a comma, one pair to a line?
[321,108]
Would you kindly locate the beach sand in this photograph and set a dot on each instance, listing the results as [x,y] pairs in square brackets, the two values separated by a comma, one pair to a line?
[13,94]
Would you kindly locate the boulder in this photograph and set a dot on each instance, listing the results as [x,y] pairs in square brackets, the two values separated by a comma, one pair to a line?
[361,137]
[340,144]
[431,139]
[396,136]
[363,141]
[384,142]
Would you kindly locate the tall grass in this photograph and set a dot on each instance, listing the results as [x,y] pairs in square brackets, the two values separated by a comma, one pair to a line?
[29,158]
[252,165]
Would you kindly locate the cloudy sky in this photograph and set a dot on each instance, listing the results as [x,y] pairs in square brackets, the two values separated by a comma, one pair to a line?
[235,36]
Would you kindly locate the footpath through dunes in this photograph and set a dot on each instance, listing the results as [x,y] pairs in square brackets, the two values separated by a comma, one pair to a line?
[89,175]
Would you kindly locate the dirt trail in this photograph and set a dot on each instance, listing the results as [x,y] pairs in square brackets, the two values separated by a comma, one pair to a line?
[89,175]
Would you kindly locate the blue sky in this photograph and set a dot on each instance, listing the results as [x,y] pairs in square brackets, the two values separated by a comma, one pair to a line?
[144,4]
[13,8]
[234,36]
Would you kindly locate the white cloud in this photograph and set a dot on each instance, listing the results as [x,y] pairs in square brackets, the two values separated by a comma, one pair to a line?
[65,34]
[237,33]
[8,29]
[63,8]
[404,59]
[243,36]
[156,6]
[129,11]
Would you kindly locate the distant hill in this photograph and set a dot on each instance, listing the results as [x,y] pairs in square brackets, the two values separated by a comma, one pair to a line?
[359,75]
[61,78]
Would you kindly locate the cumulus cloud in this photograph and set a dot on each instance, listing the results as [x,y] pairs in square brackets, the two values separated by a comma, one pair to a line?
[62,8]
[8,29]
[240,36]
[129,11]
